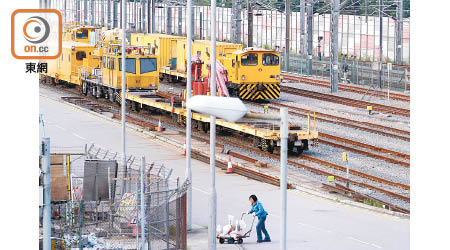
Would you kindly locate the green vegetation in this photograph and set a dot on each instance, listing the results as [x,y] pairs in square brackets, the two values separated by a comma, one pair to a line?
[373,203]
[172,230]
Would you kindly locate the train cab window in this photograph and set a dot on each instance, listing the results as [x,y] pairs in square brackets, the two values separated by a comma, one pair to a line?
[250,59]
[82,34]
[233,63]
[104,62]
[80,55]
[130,65]
[270,59]
[148,65]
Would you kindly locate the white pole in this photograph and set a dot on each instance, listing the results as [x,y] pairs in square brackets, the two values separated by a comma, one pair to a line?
[188,113]
[124,82]
[212,140]
[142,205]
[283,175]
[47,213]
[389,66]
[348,180]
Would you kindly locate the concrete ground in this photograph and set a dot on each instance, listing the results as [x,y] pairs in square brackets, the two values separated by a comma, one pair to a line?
[313,223]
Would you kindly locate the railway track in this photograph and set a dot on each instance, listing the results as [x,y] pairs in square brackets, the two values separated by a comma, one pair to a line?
[364,126]
[142,120]
[346,101]
[344,87]
[293,162]
[380,153]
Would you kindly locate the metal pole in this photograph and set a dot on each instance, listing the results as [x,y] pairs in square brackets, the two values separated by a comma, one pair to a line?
[92,10]
[190,27]
[114,17]
[389,68]
[380,66]
[153,16]
[85,12]
[302,33]
[309,23]
[400,32]
[108,14]
[212,139]
[142,205]
[124,82]
[180,23]
[288,34]
[249,24]
[47,209]
[169,21]
[283,175]
[334,46]
[137,215]
[236,21]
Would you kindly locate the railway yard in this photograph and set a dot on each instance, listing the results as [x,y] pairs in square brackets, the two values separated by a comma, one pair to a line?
[146,102]
[377,144]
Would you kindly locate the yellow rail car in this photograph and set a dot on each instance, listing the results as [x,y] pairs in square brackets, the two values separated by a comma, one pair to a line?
[142,72]
[92,60]
[265,136]
[67,68]
[254,74]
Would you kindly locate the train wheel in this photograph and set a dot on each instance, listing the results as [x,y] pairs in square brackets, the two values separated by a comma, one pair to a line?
[111,95]
[84,88]
[205,127]
[137,107]
[264,145]
[194,124]
[256,142]
[297,150]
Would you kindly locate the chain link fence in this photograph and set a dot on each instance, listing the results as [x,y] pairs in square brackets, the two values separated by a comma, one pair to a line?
[121,212]
[352,71]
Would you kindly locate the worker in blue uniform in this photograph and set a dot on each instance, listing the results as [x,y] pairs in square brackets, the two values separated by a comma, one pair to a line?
[259,211]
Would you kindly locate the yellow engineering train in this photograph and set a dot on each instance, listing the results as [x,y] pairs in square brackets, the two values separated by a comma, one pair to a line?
[253,74]
[91,59]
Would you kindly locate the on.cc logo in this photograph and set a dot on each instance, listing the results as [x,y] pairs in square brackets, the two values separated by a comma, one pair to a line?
[36,29]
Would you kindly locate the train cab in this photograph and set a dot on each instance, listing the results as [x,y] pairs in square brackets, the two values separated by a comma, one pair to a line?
[255,74]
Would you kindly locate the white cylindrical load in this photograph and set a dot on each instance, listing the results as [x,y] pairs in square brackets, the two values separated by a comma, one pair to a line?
[230,109]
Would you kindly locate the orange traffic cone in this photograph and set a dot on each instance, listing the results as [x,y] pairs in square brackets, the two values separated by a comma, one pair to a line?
[230,166]
[184,148]
[160,129]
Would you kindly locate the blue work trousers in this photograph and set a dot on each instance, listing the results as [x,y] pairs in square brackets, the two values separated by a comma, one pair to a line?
[262,227]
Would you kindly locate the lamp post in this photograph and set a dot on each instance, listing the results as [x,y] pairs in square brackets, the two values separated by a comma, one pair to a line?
[188,113]
[232,109]
[212,134]
[124,96]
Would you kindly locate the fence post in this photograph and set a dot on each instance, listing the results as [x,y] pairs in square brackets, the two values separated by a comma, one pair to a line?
[137,215]
[149,235]
[47,209]
[142,204]
[178,216]
[166,213]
